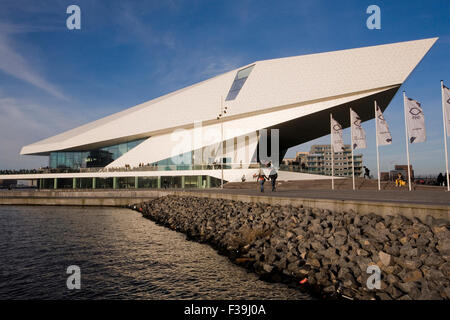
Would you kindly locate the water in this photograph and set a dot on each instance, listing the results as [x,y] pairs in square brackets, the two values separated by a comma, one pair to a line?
[121,256]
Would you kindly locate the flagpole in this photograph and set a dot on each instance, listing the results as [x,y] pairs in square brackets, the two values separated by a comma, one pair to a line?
[407,141]
[378,153]
[332,151]
[444,118]
[353,157]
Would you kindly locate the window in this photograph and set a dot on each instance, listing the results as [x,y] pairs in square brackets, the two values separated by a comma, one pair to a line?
[238,82]
[92,158]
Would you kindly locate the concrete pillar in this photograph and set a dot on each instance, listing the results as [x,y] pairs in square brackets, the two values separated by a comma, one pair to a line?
[74,183]
[159,183]
[208,181]
[41,183]
[94,182]
[183,179]
[114,182]
[136,184]
[55,183]
[199,182]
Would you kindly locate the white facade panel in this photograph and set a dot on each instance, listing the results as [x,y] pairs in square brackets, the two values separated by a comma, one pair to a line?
[171,144]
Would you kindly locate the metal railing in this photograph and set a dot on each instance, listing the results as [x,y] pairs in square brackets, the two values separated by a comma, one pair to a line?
[144,168]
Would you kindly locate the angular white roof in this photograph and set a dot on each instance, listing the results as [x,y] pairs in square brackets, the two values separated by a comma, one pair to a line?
[272,85]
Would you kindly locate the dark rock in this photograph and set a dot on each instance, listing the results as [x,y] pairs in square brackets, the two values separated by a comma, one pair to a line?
[380,226]
[444,246]
[410,288]
[329,289]
[392,279]
[412,276]
[445,293]
[445,269]
[427,294]
[422,241]
[394,292]
[393,250]
[362,252]
[339,240]
[313,262]
[267,268]
[408,250]
[383,295]
[280,264]
[409,264]
[441,232]
[433,260]
[318,246]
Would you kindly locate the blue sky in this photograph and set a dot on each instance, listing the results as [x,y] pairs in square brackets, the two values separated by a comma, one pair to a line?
[127,52]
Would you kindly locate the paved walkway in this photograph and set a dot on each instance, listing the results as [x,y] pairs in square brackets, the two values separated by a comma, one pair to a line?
[429,197]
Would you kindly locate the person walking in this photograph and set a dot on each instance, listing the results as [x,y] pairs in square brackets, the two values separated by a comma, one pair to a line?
[273,175]
[366,172]
[261,179]
[440,179]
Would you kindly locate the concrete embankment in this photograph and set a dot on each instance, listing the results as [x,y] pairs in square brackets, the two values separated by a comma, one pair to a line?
[77,198]
[327,253]
[410,204]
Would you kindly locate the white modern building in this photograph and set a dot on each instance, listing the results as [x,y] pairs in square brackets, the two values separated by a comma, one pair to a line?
[176,139]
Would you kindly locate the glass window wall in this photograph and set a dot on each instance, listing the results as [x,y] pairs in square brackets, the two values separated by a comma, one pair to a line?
[92,158]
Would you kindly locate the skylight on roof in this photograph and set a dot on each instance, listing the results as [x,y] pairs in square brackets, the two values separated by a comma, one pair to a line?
[238,82]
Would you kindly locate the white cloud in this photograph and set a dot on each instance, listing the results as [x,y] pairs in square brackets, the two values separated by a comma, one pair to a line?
[13,63]
[23,122]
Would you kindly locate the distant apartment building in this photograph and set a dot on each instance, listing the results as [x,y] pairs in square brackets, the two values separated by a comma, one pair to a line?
[290,161]
[318,161]
[301,157]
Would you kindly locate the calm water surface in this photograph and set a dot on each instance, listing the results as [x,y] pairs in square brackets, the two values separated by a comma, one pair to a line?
[121,256]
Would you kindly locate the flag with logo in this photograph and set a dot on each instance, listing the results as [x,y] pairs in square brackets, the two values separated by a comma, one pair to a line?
[446,103]
[415,121]
[358,133]
[336,136]
[383,134]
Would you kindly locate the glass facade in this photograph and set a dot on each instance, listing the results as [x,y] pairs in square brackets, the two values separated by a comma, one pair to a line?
[186,161]
[104,183]
[92,158]
[157,182]
[148,182]
[181,162]
[126,183]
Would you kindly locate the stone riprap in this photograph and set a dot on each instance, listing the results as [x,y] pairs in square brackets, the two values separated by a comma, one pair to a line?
[322,252]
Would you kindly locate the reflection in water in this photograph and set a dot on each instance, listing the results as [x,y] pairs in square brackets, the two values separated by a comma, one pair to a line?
[121,256]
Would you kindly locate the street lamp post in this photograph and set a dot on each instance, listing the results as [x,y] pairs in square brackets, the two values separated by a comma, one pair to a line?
[223,110]
[221,157]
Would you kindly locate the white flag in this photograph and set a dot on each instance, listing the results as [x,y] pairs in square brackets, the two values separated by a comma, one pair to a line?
[446,102]
[336,136]
[358,133]
[383,134]
[415,120]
